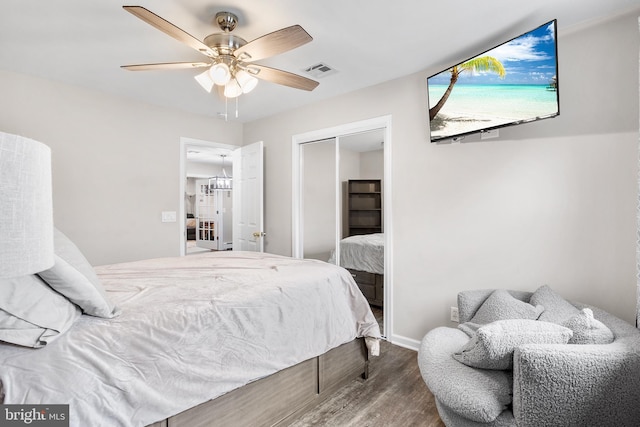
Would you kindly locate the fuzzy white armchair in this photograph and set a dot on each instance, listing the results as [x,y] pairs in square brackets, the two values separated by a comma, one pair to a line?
[549,384]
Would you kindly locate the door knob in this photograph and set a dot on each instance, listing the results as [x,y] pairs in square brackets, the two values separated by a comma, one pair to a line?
[259,234]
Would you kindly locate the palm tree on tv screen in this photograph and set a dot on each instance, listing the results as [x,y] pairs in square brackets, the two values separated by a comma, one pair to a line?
[483,63]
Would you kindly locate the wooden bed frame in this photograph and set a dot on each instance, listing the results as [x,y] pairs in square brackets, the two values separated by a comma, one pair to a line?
[371,285]
[276,399]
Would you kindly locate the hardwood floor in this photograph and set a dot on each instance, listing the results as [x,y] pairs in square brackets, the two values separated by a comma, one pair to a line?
[394,395]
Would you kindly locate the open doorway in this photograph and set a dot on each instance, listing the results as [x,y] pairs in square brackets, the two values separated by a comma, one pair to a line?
[247,218]
[205,215]
[342,180]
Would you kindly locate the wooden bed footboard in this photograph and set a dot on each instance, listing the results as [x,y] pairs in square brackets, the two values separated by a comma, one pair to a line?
[275,399]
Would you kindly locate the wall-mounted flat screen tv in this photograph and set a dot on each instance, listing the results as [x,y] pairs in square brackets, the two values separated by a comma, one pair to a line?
[515,82]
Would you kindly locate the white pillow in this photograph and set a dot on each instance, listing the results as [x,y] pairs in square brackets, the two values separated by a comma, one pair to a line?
[492,346]
[74,277]
[587,329]
[556,308]
[31,313]
[501,305]
[469,328]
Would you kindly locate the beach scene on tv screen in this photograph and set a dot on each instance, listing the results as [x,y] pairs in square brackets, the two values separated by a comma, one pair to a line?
[514,82]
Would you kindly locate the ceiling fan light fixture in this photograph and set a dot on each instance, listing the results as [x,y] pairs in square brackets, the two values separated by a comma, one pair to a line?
[220,73]
[205,80]
[232,89]
[246,81]
[230,58]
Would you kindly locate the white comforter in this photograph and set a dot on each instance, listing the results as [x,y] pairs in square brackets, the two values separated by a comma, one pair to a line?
[191,329]
[363,252]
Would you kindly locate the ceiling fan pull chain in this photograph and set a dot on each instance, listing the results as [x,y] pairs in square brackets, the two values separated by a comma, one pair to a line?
[237,106]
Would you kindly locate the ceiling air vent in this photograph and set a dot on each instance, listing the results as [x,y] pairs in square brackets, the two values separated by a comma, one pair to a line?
[320,70]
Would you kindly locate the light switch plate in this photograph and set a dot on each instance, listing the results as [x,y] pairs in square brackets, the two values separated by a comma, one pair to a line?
[169,216]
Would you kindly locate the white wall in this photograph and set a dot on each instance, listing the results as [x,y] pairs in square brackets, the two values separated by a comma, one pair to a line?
[551,202]
[115,163]
[372,164]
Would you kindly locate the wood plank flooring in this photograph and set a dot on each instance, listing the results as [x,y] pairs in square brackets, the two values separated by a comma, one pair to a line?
[394,395]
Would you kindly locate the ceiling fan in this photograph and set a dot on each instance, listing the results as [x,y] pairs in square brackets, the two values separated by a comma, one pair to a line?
[230,58]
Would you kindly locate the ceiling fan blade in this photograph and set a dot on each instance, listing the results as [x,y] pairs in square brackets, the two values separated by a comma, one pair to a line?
[166,66]
[274,43]
[170,29]
[283,77]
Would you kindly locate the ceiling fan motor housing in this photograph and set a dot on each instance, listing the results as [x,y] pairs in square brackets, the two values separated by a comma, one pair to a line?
[227,21]
[224,43]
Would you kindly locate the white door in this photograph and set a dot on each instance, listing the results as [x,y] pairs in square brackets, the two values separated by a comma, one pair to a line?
[248,195]
[205,215]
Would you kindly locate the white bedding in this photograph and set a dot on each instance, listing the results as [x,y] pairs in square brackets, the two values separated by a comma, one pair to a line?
[191,329]
[364,252]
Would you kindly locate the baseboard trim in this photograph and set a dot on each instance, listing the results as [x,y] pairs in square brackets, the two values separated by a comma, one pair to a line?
[405,342]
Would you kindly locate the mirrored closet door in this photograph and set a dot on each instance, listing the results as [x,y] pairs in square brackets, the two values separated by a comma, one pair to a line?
[319,201]
[342,208]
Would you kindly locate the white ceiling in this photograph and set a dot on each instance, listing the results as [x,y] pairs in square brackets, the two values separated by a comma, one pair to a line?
[211,155]
[84,42]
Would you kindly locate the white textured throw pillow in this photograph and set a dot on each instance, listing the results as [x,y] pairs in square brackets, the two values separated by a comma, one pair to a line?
[587,329]
[469,328]
[492,346]
[501,305]
[74,277]
[556,308]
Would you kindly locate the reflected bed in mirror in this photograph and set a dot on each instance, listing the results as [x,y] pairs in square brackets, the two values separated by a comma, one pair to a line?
[363,256]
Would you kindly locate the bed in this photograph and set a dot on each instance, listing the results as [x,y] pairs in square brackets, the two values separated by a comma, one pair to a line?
[363,256]
[235,338]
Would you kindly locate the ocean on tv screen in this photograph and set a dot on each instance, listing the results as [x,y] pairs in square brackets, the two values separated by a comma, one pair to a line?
[475,107]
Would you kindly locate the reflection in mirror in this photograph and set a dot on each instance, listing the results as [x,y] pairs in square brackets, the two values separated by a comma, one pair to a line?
[361,238]
[319,199]
[342,209]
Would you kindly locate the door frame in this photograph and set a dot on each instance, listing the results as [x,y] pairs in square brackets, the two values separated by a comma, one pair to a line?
[382,122]
[185,143]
